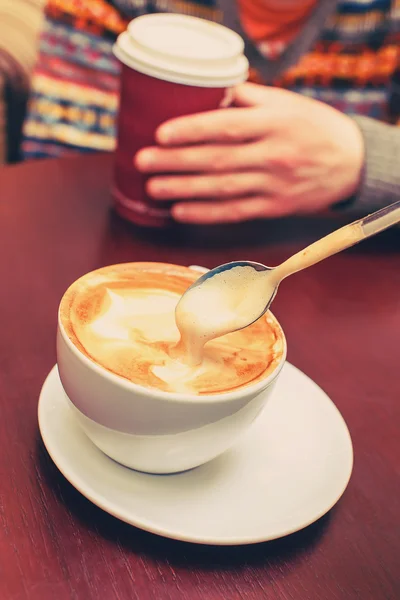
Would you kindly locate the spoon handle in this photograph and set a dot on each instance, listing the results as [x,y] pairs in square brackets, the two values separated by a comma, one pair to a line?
[339,240]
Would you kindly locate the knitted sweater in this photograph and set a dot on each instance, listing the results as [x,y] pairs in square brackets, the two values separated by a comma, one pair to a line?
[347,54]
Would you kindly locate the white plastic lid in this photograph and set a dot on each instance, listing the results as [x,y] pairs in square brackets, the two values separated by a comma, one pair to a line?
[183,50]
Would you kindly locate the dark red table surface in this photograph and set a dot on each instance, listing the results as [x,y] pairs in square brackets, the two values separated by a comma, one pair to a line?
[342,321]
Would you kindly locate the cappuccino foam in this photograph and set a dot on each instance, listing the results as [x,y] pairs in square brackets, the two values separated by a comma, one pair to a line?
[123,318]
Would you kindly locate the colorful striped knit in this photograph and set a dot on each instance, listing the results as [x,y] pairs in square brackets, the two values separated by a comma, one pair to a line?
[353,65]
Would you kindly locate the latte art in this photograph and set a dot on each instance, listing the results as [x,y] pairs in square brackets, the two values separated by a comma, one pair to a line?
[123,319]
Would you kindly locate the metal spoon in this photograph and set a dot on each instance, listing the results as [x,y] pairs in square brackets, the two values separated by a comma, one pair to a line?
[335,242]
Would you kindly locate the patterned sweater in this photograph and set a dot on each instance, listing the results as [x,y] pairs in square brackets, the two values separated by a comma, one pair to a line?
[347,54]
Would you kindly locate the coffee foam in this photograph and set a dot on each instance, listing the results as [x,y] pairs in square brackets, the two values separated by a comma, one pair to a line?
[123,318]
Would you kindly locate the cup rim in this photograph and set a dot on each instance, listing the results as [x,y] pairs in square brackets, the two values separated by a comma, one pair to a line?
[221,81]
[175,397]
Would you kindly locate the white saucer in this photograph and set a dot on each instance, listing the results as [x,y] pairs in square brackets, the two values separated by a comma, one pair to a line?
[288,470]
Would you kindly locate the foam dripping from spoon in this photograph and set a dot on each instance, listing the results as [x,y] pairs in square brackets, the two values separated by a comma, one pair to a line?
[226,302]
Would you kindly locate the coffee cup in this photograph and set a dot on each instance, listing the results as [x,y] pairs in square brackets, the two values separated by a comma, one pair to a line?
[171,65]
[151,430]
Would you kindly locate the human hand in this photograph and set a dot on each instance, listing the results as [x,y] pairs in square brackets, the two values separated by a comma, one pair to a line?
[274,154]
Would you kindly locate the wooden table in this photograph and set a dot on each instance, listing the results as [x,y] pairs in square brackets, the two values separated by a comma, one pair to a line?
[342,321]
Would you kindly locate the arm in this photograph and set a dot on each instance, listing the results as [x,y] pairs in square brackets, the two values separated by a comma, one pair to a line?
[380,183]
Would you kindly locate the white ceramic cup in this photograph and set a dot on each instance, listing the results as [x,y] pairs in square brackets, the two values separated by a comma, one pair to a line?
[150,430]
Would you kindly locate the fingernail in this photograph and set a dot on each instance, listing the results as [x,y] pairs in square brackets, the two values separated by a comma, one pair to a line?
[165,134]
[179,212]
[144,159]
[154,188]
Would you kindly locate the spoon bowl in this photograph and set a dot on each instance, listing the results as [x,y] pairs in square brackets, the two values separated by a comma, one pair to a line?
[258,267]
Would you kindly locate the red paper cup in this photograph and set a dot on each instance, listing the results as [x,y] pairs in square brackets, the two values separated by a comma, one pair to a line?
[172,65]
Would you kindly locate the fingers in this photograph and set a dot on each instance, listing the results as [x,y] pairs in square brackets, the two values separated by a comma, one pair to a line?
[203,158]
[229,211]
[254,113]
[208,186]
[225,126]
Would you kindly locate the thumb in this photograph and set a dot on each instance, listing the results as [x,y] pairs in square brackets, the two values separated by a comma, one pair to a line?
[253,94]
[249,94]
